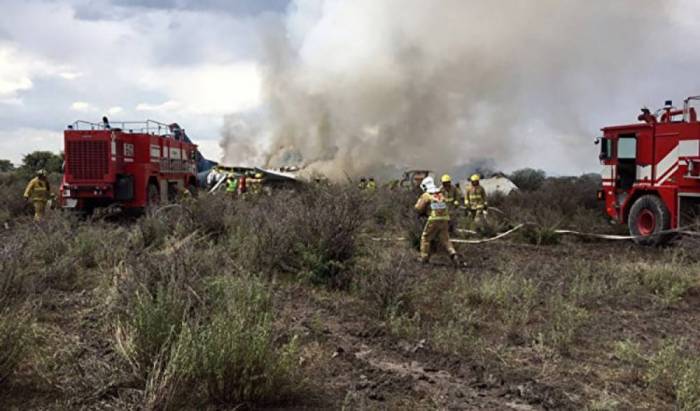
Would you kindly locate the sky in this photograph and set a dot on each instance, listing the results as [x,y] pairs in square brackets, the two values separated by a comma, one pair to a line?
[203,62]
[181,61]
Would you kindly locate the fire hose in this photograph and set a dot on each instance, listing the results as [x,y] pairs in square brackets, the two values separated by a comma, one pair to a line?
[681,231]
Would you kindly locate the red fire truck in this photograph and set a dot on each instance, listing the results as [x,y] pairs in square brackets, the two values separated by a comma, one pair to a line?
[651,171]
[131,165]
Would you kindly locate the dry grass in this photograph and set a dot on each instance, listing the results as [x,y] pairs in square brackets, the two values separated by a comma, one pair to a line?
[181,307]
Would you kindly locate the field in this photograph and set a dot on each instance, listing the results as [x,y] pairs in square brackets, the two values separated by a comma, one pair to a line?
[311,300]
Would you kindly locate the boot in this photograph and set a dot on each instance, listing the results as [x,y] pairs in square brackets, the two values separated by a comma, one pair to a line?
[455,260]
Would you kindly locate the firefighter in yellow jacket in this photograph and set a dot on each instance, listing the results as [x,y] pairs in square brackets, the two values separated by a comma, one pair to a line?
[255,185]
[39,192]
[453,198]
[432,202]
[475,201]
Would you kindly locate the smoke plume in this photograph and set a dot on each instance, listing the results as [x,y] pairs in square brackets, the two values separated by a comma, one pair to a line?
[364,86]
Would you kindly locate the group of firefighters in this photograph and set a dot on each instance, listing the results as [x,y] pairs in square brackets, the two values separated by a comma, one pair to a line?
[438,202]
[367,184]
[240,185]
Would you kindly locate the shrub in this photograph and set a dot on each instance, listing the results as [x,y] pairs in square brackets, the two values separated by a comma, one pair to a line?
[668,282]
[15,332]
[311,234]
[672,369]
[385,281]
[563,325]
[235,354]
[150,325]
[528,179]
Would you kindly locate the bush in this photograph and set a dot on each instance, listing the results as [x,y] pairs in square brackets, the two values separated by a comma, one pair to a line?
[385,281]
[564,324]
[528,179]
[234,350]
[146,331]
[666,281]
[672,369]
[15,332]
[311,234]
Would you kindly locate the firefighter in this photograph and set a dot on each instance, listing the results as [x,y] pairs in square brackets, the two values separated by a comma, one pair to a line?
[452,198]
[184,194]
[255,185]
[39,192]
[475,202]
[363,183]
[231,185]
[432,202]
[371,185]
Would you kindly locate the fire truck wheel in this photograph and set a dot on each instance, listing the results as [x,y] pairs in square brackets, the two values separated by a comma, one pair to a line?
[649,216]
[152,196]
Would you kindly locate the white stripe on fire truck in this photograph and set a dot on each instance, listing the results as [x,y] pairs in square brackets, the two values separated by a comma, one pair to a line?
[667,174]
[667,163]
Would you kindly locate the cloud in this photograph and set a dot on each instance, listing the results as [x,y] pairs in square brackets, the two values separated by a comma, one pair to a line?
[82,107]
[208,89]
[19,70]
[162,107]
[15,143]
[115,110]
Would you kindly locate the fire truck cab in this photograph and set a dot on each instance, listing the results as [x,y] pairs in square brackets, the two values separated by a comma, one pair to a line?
[131,165]
[651,171]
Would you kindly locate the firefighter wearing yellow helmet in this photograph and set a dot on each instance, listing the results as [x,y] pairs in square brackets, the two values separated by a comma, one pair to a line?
[453,198]
[432,202]
[38,192]
[475,201]
[255,185]
[371,185]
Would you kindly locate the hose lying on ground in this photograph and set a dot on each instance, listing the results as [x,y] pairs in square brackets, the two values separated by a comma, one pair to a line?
[682,231]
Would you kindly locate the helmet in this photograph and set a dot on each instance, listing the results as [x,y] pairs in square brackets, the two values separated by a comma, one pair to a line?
[258,175]
[41,173]
[446,178]
[428,185]
[474,178]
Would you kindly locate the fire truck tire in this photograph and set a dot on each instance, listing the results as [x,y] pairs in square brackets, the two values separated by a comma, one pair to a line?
[649,216]
[152,195]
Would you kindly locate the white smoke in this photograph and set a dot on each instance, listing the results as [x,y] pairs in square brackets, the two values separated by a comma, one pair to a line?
[354,87]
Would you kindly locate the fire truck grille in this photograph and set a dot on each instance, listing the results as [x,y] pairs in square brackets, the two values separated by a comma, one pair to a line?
[88,160]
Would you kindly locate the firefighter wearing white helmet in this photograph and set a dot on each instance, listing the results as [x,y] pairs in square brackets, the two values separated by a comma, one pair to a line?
[453,198]
[475,201]
[432,202]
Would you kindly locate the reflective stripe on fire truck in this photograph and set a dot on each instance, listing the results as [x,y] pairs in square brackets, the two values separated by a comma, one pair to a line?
[607,173]
[155,153]
[114,147]
[688,148]
[643,173]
